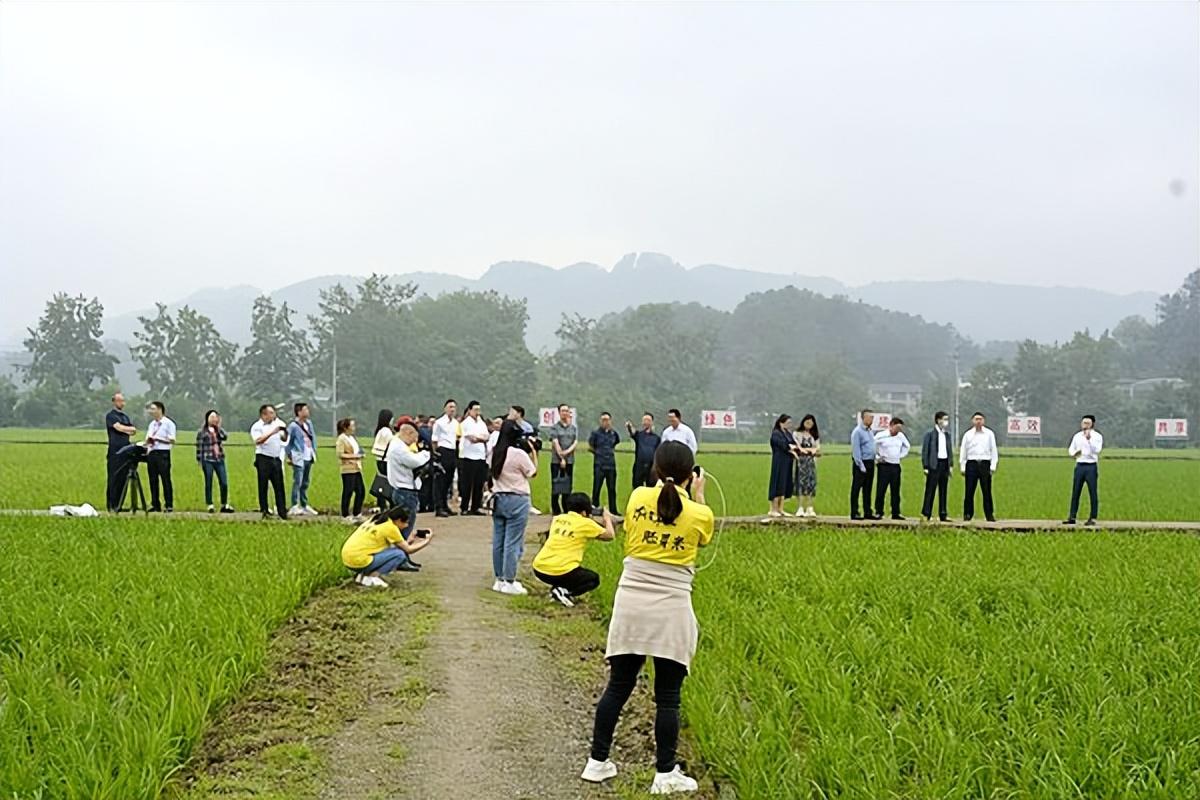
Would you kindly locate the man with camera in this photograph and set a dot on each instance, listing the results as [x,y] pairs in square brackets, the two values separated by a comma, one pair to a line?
[119,428]
[408,464]
[269,435]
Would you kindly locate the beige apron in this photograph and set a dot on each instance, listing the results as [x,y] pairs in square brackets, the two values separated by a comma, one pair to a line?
[652,612]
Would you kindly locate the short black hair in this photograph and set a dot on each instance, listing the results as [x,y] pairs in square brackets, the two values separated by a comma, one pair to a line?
[448,402]
[978,414]
[298,406]
[940,415]
[578,502]
[865,411]
[472,404]
[264,407]
[159,405]
[1090,418]
[606,414]
[561,406]
[519,409]
[896,421]
[675,411]
[647,414]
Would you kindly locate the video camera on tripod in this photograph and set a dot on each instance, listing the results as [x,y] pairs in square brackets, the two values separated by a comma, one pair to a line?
[128,458]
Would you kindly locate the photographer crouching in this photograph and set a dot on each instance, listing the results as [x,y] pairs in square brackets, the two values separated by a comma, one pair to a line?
[408,465]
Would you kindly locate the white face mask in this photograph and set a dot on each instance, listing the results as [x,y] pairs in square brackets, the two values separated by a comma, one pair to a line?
[944,424]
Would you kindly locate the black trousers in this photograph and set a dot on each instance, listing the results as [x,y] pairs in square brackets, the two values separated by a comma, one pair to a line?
[353,488]
[937,480]
[622,678]
[979,473]
[557,471]
[605,476]
[444,484]
[158,469]
[116,482]
[1085,474]
[580,580]
[887,478]
[642,474]
[472,474]
[270,472]
[860,482]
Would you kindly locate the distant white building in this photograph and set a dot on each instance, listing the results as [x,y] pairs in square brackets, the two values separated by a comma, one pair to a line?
[896,398]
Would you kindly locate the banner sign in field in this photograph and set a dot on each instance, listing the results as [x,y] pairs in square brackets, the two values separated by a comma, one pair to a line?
[1024,426]
[718,420]
[1170,428]
[881,422]
[549,416]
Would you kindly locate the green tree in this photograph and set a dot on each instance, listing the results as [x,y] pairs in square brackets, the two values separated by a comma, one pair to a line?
[276,362]
[988,393]
[182,355]
[1178,336]
[8,402]
[65,346]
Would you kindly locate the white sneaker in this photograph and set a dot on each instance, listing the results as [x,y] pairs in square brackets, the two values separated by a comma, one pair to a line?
[358,578]
[372,580]
[599,771]
[295,511]
[561,595]
[774,513]
[312,512]
[498,586]
[800,512]
[811,512]
[534,511]
[513,588]
[673,781]
[211,509]
[519,587]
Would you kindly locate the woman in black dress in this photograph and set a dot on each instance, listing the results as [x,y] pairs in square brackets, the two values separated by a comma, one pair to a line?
[782,447]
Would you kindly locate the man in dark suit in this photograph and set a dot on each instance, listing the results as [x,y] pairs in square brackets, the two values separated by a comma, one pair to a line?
[937,456]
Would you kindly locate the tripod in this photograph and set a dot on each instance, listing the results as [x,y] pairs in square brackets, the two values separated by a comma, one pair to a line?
[133,489]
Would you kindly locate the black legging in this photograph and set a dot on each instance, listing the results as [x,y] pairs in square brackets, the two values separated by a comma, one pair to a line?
[352,485]
[622,677]
[580,580]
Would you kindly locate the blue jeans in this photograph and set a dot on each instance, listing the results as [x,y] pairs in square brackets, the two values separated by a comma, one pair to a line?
[410,500]
[383,562]
[509,516]
[217,467]
[300,477]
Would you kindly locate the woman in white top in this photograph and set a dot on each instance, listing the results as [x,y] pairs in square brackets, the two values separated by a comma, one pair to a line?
[383,437]
[350,456]
[514,462]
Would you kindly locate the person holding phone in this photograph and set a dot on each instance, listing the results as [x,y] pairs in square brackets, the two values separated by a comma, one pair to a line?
[377,547]
[652,612]
[559,564]
[269,435]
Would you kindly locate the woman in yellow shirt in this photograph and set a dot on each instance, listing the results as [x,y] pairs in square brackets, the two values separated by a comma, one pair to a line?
[652,611]
[559,562]
[378,547]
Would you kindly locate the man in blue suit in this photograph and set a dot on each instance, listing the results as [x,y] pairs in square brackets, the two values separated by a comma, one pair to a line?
[937,458]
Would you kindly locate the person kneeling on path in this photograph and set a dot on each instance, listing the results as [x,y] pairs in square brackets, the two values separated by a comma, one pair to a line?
[652,611]
[378,547]
[559,562]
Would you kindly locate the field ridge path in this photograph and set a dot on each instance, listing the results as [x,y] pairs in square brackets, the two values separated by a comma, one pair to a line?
[500,720]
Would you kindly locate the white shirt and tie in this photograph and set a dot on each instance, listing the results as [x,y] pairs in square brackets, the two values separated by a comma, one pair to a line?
[890,449]
[445,432]
[162,431]
[978,446]
[681,434]
[1085,448]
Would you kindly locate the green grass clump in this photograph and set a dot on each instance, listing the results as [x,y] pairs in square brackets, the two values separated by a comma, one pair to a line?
[118,640]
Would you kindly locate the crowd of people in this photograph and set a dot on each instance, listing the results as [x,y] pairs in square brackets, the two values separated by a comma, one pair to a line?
[421,460]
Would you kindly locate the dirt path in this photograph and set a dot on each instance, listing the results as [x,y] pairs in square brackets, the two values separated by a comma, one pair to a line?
[499,721]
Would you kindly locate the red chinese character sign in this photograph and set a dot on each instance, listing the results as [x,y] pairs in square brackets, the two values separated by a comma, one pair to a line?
[1024,426]
[881,422]
[1170,429]
[549,416]
[718,420]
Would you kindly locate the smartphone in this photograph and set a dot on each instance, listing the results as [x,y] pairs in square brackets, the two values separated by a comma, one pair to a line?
[699,472]
[423,533]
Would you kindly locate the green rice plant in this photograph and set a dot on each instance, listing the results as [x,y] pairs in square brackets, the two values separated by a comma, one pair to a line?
[118,640]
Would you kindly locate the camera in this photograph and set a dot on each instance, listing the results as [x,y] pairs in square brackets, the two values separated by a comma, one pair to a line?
[430,470]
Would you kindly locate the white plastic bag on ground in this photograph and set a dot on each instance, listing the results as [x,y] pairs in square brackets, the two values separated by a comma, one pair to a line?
[85,510]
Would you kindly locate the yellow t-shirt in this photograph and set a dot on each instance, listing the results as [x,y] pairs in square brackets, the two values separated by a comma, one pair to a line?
[677,543]
[367,540]
[563,550]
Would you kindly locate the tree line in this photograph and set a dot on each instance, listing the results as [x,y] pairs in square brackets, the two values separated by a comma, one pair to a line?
[381,343]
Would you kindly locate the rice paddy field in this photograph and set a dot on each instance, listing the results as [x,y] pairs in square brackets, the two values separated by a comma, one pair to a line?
[42,468]
[877,663]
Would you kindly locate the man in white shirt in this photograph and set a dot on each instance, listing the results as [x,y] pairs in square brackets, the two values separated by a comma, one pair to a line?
[891,446]
[472,465]
[269,435]
[978,457]
[678,431]
[1085,448]
[403,456]
[160,438]
[445,445]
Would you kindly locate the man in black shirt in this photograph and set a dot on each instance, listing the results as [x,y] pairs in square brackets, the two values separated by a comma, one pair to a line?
[119,430]
[603,443]
[645,442]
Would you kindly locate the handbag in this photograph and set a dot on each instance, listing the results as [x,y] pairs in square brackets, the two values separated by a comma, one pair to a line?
[381,489]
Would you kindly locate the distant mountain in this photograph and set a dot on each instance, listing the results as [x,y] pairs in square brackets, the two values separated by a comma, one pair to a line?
[980,311]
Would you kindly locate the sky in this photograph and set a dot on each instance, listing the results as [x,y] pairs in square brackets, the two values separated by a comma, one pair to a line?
[151,149]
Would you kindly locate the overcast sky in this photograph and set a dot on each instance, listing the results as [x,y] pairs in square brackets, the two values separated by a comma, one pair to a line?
[149,150]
